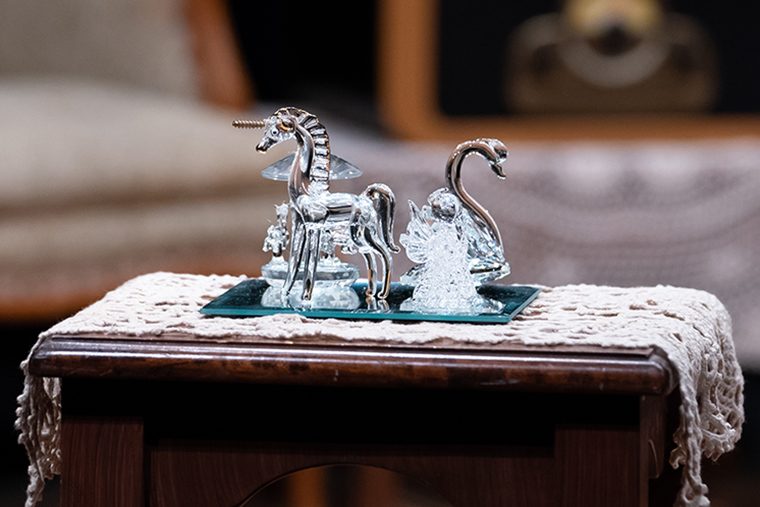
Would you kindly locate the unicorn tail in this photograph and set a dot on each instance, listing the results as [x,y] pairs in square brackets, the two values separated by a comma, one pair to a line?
[385,204]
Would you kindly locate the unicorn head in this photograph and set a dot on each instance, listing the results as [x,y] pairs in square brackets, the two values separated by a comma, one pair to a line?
[287,123]
[279,127]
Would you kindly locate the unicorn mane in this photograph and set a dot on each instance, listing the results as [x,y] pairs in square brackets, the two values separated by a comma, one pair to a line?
[320,163]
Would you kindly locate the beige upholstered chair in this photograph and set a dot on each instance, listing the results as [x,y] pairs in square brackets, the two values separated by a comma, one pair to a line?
[116,151]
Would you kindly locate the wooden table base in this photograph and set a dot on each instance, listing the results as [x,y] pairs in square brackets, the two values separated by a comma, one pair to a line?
[182,421]
[207,444]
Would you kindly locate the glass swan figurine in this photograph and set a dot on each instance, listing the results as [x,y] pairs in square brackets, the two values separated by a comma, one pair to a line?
[455,242]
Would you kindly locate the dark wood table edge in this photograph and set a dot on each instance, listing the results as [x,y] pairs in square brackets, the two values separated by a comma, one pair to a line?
[641,371]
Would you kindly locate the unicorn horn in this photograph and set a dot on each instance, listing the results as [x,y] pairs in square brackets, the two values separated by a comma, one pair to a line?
[249,124]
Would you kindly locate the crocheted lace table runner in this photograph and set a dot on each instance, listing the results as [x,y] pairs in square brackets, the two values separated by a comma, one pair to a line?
[691,327]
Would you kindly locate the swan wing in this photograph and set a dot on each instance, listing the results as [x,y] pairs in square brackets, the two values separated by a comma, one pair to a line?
[417,235]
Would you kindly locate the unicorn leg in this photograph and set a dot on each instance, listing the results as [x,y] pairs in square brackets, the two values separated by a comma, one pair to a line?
[369,259]
[296,254]
[310,261]
[385,254]
[358,235]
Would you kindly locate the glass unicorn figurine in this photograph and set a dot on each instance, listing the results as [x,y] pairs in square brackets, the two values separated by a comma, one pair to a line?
[322,220]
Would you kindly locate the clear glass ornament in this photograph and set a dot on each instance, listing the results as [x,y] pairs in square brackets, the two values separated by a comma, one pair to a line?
[455,242]
[322,221]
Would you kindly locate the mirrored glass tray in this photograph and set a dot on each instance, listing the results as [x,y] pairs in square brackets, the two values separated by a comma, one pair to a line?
[244,300]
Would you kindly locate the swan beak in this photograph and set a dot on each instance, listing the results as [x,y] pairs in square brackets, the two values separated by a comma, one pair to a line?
[501,153]
[496,168]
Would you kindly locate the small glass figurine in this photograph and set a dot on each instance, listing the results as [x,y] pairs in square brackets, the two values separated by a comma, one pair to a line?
[322,220]
[455,242]
[276,242]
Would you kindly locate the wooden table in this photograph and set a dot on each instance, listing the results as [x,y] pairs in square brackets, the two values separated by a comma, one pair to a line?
[180,420]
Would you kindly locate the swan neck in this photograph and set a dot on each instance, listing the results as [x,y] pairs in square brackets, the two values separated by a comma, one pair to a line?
[454,180]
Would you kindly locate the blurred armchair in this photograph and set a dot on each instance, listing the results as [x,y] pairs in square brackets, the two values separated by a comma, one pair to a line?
[116,151]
